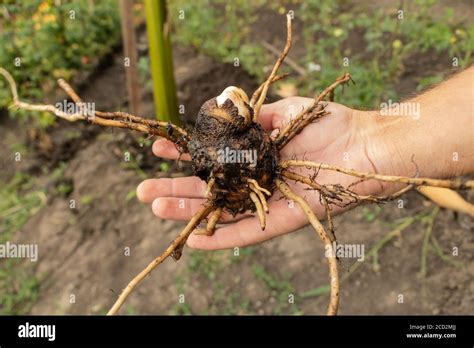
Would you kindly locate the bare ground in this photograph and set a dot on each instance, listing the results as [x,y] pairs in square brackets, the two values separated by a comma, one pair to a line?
[88,254]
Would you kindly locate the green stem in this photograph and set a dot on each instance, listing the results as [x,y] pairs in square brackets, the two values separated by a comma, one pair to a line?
[161,61]
[324,289]
[424,249]
[437,249]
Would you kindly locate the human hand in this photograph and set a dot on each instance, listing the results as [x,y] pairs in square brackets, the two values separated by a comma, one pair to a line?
[340,138]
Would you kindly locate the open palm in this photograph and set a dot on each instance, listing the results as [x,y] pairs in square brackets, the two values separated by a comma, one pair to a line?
[338,138]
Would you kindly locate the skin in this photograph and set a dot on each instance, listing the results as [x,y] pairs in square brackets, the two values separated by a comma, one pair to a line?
[362,140]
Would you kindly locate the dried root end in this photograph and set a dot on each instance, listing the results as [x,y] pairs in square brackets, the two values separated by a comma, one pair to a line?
[260,210]
[319,229]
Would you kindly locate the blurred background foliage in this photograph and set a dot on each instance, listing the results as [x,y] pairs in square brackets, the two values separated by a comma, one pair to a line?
[377,43]
[384,53]
[53,39]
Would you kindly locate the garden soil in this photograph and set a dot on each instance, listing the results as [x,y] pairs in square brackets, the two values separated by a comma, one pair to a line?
[88,254]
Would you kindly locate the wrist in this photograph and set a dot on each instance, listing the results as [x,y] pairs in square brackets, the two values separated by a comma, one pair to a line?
[429,135]
[387,147]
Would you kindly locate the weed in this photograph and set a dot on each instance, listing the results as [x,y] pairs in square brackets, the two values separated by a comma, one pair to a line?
[18,290]
[280,289]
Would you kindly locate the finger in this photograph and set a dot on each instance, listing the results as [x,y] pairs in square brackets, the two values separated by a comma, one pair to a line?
[268,113]
[166,149]
[183,209]
[187,187]
[278,114]
[280,220]
[304,143]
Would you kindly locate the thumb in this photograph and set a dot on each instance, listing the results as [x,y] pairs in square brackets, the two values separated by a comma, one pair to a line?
[279,113]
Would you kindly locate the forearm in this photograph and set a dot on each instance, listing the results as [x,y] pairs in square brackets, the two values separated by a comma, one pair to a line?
[436,128]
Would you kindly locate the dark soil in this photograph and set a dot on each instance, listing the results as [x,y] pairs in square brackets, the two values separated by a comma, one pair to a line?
[213,134]
[200,78]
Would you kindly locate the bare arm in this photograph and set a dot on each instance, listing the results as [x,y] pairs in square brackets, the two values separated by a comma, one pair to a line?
[438,130]
[364,140]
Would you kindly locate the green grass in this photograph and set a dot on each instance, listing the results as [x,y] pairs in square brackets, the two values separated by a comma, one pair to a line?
[18,203]
[279,288]
[133,163]
[180,308]
[427,217]
[228,302]
[131,310]
[44,40]
[18,289]
[212,269]
[430,243]
[371,213]
[210,266]
[207,264]
[86,199]
[371,254]
[328,32]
